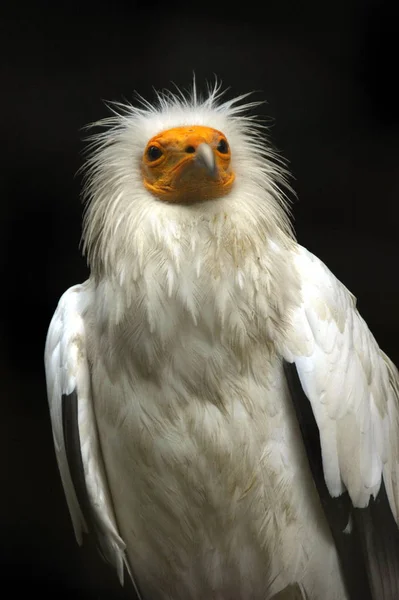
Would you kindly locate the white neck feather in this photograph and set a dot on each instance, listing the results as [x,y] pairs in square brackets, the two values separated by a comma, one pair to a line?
[218,266]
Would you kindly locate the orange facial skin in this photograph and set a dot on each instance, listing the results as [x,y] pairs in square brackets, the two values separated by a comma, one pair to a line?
[188,164]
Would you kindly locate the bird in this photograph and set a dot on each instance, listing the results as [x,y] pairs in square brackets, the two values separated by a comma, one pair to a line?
[225,424]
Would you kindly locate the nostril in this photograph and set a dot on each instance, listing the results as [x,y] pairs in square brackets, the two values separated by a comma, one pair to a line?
[190,149]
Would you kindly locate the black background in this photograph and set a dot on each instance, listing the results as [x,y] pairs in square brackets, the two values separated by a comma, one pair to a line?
[328,72]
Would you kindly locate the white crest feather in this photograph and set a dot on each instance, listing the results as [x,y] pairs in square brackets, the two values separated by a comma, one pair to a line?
[122,217]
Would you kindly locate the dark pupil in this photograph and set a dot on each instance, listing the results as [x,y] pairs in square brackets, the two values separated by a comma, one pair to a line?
[154,152]
[223,147]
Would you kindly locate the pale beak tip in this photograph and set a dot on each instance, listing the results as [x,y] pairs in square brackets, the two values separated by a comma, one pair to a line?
[206,158]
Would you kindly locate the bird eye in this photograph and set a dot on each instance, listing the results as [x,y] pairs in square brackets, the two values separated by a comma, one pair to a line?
[223,146]
[153,153]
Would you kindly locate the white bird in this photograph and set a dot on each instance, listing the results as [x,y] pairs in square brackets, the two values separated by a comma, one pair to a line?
[224,421]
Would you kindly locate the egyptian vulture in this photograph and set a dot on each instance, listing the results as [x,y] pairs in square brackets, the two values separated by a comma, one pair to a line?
[224,422]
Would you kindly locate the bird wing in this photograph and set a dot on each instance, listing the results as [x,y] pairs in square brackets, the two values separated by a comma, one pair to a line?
[336,366]
[74,428]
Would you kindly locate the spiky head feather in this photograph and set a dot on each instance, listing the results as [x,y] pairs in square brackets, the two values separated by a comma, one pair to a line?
[122,217]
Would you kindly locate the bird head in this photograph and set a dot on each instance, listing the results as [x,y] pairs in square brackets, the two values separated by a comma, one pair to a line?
[183,171]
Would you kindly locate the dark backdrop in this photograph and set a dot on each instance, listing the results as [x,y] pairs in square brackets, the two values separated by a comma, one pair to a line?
[328,72]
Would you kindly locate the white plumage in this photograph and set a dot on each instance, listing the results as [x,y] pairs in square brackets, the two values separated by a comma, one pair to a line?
[175,349]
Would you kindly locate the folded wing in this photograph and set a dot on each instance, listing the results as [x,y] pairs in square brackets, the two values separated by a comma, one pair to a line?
[74,428]
[353,391]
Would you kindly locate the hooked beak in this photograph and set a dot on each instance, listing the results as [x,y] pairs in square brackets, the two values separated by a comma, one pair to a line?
[205,157]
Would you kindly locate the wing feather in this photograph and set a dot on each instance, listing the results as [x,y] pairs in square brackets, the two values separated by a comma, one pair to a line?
[351,385]
[74,427]
[61,375]
[353,390]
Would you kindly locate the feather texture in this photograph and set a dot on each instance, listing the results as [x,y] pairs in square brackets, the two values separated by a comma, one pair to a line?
[192,454]
[120,212]
[351,384]
[69,394]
